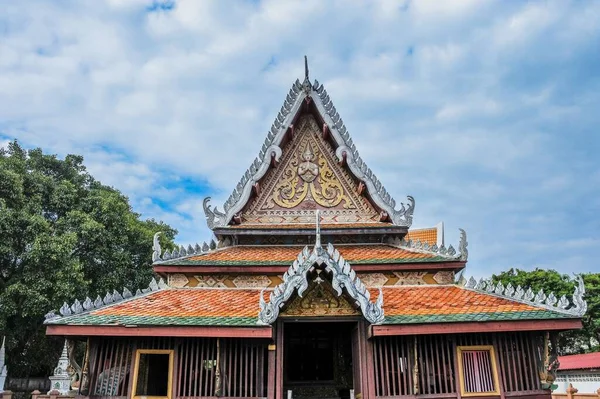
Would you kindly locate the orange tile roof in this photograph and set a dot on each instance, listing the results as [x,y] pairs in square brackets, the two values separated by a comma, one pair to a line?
[285,255]
[424,300]
[239,307]
[428,235]
[213,302]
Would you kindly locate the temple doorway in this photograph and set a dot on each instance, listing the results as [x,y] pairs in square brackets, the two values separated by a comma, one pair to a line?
[317,361]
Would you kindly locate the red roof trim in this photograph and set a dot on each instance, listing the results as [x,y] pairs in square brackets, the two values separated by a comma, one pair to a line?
[473,327]
[167,331]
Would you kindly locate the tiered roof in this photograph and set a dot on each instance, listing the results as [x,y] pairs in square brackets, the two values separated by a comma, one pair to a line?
[239,307]
[301,98]
[308,164]
[272,255]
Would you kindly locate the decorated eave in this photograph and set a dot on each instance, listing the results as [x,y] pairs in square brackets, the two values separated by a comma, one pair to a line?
[542,307]
[576,308]
[448,254]
[342,276]
[271,151]
[182,252]
[88,305]
[441,250]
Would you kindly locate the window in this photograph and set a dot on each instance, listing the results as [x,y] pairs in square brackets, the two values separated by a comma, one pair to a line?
[152,375]
[477,367]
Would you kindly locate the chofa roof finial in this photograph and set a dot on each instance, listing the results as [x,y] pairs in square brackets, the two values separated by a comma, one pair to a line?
[306,68]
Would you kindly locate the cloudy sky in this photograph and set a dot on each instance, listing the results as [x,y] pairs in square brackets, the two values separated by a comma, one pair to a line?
[487,112]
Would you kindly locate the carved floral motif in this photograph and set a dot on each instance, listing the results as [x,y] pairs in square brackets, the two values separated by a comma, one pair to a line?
[410,278]
[211,281]
[444,277]
[305,180]
[178,280]
[319,300]
[252,281]
[308,178]
[373,279]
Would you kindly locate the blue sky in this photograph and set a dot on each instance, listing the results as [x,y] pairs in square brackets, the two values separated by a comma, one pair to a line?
[487,112]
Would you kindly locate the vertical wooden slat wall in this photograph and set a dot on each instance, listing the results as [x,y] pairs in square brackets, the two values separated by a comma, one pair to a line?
[518,361]
[394,360]
[436,365]
[110,367]
[111,361]
[242,367]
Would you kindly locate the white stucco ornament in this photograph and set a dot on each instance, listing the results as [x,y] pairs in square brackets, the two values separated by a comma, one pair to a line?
[61,381]
[3,369]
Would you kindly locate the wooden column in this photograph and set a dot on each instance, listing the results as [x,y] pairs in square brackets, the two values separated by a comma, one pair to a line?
[498,367]
[279,361]
[416,372]
[457,372]
[272,351]
[369,388]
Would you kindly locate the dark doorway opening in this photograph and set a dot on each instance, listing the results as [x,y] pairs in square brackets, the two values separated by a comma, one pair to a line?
[318,359]
[153,375]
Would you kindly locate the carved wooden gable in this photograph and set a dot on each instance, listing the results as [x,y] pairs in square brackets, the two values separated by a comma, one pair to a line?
[308,178]
[320,300]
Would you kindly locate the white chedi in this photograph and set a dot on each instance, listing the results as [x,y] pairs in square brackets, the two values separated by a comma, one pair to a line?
[3,369]
[61,381]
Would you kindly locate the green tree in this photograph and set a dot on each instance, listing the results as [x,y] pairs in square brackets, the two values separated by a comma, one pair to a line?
[63,235]
[588,338]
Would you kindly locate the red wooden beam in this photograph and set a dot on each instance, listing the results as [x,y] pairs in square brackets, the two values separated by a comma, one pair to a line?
[283,268]
[167,331]
[473,327]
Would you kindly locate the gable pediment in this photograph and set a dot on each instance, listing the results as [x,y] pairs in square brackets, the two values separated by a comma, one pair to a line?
[320,300]
[308,178]
[313,196]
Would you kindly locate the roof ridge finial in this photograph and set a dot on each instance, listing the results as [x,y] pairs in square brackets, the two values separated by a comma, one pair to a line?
[306,68]
[318,230]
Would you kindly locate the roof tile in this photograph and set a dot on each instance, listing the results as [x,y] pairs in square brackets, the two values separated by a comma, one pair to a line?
[428,235]
[239,307]
[285,255]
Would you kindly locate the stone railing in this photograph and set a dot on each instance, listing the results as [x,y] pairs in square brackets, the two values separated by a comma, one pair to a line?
[573,393]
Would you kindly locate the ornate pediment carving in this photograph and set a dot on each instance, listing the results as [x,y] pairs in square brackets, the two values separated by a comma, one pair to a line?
[271,151]
[320,300]
[308,178]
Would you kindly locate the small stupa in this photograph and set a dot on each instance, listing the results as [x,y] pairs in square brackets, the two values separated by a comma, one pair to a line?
[60,380]
[3,369]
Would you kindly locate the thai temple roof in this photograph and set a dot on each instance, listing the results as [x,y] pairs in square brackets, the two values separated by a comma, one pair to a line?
[239,307]
[307,216]
[285,254]
[430,235]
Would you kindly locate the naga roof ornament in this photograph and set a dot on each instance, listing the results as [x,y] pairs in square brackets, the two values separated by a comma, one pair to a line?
[333,263]
[576,308]
[110,298]
[434,249]
[181,251]
[346,151]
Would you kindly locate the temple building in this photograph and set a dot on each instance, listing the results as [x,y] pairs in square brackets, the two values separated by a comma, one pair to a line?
[315,286]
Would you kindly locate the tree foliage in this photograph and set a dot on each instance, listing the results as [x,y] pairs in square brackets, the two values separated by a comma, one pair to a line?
[588,338]
[63,235]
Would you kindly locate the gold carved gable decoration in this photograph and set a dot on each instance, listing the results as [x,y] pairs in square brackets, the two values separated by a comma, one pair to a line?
[308,178]
[320,300]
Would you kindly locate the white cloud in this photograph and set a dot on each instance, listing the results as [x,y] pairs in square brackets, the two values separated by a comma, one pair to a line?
[465,104]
